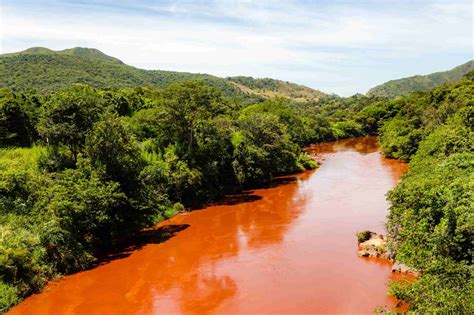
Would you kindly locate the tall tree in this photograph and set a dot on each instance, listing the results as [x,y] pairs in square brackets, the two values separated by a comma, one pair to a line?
[69,115]
[187,104]
[16,127]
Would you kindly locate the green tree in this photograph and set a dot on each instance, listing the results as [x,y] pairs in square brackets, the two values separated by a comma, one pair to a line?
[113,151]
[187,104]
[16,125]
[263,149]
[68,116]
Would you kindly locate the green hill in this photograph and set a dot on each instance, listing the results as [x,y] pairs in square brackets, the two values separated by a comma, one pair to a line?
[269,88]
[403,87]
[46,71]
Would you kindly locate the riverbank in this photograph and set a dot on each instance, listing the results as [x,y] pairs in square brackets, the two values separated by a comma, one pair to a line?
[371,244]
[263,250]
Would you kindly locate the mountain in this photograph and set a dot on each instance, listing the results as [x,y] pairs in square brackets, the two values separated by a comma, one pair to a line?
[45,71]
[405,86]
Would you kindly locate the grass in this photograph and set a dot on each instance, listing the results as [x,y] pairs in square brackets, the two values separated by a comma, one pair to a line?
[20,158]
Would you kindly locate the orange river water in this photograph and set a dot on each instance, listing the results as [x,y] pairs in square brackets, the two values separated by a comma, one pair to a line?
[287,248]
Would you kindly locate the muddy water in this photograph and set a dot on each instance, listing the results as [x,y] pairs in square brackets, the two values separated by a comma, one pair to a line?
[290,248]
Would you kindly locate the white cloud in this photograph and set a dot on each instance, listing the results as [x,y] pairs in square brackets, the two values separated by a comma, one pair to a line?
[312,44]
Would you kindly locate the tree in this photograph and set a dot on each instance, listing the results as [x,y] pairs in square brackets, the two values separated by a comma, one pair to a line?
[262,149]
[68,116]
[16,127]
[114,152]
[80,215]
[186,105]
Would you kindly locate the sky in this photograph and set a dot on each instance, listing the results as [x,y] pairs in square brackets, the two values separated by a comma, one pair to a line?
[342,47]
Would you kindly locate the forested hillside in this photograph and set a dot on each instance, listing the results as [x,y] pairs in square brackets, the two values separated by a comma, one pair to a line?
[405,86]
[46,71]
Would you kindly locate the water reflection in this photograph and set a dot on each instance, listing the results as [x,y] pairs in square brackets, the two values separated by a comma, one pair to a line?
[363,145]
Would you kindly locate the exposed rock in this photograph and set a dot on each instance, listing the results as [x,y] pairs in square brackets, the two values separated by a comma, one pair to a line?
[375,246]
[402,268]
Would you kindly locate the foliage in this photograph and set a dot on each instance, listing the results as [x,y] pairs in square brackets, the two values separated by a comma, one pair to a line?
[49,71]
[264,150]
[445,288]
[363,236]
[187,106]
[17,118]
[68,116]
[399,137]
[431,223]
[416,116]
[113,151]
[109,163]
[81,214]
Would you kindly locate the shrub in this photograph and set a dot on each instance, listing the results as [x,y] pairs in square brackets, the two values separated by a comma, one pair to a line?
[363,236]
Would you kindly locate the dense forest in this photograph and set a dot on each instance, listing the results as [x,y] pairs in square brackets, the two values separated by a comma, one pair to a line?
[430,225]
[83,167]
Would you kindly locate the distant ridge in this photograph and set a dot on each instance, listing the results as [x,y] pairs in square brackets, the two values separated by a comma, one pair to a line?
[34,50]
[46,71]
[85,52]
[405,86]
[88,53]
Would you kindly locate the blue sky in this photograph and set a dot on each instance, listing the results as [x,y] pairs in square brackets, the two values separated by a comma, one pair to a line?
[341,47]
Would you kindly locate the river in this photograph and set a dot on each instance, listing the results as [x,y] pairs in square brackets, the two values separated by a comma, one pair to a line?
[288,248]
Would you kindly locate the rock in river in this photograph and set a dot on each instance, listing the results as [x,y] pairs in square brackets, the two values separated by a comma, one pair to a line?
[375,246]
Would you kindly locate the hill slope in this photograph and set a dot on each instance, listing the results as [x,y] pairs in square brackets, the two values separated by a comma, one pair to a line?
[405,86]
[47,71]
[273,88]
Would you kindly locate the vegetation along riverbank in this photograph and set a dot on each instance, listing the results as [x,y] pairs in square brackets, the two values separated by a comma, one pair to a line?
[82,168]
[430,223]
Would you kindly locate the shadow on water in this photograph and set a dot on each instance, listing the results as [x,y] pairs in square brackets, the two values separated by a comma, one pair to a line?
[141,239]
[161,234]
[248,195]
[235,199]
[280,181]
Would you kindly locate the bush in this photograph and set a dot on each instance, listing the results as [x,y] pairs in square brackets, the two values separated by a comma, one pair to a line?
[9,296]
[363,236]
